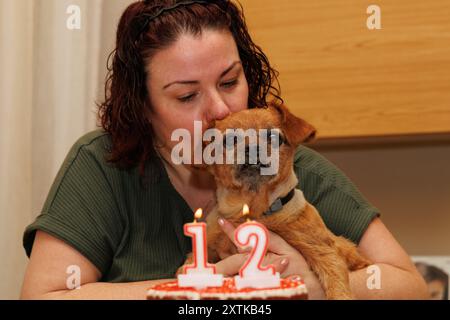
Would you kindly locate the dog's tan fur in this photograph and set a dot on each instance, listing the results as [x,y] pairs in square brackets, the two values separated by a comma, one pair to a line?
[298,222]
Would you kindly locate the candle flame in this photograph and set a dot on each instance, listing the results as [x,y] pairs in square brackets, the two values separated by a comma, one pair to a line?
[198,214]
[245,210]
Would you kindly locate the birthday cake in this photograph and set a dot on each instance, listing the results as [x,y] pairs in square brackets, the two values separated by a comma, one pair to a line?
[287,290]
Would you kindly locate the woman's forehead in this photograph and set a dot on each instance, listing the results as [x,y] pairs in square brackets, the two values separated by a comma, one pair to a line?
[192,56]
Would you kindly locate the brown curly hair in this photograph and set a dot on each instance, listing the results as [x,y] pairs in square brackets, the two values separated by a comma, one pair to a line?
[138,38]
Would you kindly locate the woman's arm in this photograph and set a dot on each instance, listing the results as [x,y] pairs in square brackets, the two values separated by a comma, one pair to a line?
[103,291]
[399,277]
[46,275]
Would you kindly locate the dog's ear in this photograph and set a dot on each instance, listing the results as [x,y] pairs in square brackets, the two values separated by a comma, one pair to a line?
[295,129]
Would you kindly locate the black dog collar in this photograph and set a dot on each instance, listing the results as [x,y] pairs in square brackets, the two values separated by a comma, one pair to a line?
[278,204]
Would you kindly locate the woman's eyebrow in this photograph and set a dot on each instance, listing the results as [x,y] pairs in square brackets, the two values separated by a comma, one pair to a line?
[229,68]
[180,82]
[196,81]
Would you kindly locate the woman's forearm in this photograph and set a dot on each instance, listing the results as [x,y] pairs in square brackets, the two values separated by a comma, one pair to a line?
[104,291]
[395,283]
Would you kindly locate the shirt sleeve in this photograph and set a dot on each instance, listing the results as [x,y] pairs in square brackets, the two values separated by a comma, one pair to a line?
[345,211]
[80,209]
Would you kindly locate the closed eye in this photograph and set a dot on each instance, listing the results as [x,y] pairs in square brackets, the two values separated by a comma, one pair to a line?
[187,98]
[230,84]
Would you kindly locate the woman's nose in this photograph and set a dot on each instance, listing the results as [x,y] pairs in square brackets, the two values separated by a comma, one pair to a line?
[218,109]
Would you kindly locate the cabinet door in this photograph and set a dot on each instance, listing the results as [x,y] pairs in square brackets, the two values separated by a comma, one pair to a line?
[350,81]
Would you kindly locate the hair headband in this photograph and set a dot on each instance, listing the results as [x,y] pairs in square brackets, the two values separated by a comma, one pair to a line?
[149,18]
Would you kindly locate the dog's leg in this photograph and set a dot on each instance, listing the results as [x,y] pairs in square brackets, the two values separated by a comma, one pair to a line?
[309,235]
[349,251]
[323,258]
[330,268]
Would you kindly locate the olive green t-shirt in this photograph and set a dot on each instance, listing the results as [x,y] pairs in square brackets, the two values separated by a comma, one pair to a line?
[132,232]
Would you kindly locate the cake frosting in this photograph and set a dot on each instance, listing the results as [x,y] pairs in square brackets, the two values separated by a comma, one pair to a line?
[288,289]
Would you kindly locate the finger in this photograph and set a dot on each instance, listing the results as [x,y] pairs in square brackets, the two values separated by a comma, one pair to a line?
[226,253]
[244,249]
[230,266]
[223,254]
[280,264]
[277,244]
[229,230]
[295,277]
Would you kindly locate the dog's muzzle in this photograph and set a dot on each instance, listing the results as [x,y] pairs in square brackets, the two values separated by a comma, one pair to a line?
[250,164]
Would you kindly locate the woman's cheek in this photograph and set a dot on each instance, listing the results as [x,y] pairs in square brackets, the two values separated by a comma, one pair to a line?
[242,102]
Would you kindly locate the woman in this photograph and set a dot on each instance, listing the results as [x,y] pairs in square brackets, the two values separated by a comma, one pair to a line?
[118,205]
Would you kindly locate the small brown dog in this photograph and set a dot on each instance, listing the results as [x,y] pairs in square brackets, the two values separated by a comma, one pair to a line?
[297,221]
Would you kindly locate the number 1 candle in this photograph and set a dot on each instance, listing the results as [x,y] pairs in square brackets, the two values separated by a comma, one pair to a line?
[252,274]
[200,274]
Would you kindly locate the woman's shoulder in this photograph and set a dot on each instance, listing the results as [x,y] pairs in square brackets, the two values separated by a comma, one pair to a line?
[90,148]
[96,141]
[92,152]
[309,159]
[85,159]
[342,206]
[310,164]
[93,136]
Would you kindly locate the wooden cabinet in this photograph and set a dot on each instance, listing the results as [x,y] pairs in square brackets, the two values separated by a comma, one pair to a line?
[350,81]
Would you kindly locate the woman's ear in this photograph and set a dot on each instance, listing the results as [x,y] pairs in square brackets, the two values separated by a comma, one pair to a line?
[296,130]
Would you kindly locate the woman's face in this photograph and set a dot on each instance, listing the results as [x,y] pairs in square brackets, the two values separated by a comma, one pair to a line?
[196,78]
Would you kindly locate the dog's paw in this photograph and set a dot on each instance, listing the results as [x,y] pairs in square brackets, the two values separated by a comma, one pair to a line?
[340,296]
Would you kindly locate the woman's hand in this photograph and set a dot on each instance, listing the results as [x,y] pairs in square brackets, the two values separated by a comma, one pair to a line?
[285,259]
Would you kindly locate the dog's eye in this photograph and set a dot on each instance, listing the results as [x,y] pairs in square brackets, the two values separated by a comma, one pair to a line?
[273,134]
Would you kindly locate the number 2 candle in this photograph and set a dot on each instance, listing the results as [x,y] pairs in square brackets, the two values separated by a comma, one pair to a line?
[252,274]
